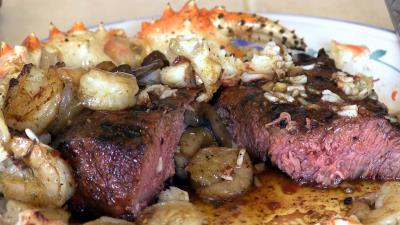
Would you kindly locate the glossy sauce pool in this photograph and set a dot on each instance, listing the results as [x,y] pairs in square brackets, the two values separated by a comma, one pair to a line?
[280,201]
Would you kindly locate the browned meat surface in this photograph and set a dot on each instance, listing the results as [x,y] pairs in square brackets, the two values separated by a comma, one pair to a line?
[243,110]
[122,159]
[314,146]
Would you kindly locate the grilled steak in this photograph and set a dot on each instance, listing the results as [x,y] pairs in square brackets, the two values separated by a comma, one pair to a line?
[122,159]
[244,112]
[311,141]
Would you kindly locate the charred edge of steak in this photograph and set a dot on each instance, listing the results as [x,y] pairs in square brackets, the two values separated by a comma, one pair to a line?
[315,146]
[120,165]
[121,159]
[114,131]
[239,109]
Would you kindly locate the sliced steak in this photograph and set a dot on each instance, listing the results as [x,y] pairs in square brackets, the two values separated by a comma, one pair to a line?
[244,112]
[122,159]
[314,145]
[346,149]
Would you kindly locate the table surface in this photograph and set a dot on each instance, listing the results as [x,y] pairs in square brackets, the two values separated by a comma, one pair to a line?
[20,17]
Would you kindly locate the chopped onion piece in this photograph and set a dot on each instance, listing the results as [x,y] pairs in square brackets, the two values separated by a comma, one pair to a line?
[249,77]
[309,67]
[301,79]
[329,96]
[349,111]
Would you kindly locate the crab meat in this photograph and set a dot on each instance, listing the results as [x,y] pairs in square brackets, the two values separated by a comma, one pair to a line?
[350,58]
[270,61]
[78,47]
[217,25]
[179,75]
[206,66]
[205,37]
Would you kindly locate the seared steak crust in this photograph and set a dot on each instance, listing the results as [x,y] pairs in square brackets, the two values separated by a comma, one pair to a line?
[122,159]
[243,111]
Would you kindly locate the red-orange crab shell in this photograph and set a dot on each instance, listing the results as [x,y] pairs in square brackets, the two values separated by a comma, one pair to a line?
[78,47]
[205,38]
[217,25]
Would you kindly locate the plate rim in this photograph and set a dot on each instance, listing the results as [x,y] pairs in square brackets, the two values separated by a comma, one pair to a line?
[344,21]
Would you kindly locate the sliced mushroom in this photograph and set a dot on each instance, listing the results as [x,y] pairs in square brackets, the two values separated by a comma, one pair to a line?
[191,141]
[171,213]
[219,173]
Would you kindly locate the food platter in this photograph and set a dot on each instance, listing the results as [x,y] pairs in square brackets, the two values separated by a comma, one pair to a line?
[278,200]
[319,32]
[310,120]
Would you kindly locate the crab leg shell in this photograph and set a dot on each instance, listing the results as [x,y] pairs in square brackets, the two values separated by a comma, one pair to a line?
[54,32]
[7,56]
[216,25]
[31,42]
[255,28]
[77,27]
[168,11]
[5,49]
[189,20]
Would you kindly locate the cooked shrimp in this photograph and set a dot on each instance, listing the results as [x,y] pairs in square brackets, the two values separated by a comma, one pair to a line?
[33,99]
[102,90]
[173,194]
[37,174]
[171,213]
[22,213]
[34,217]
[105,220]
[78,47]
[4,137]
[173,208]
[4,133]
[386,207]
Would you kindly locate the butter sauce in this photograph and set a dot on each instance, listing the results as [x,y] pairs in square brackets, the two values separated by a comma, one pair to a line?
[280,200]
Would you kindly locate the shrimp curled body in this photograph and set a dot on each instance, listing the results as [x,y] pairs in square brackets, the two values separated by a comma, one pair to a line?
[36,175]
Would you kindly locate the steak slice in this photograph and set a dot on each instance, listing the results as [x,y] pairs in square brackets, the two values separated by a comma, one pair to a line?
[314,146]
[244,112]
[346,149]
[122,159]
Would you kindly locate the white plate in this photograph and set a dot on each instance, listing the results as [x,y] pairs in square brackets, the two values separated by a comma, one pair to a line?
[318,32]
